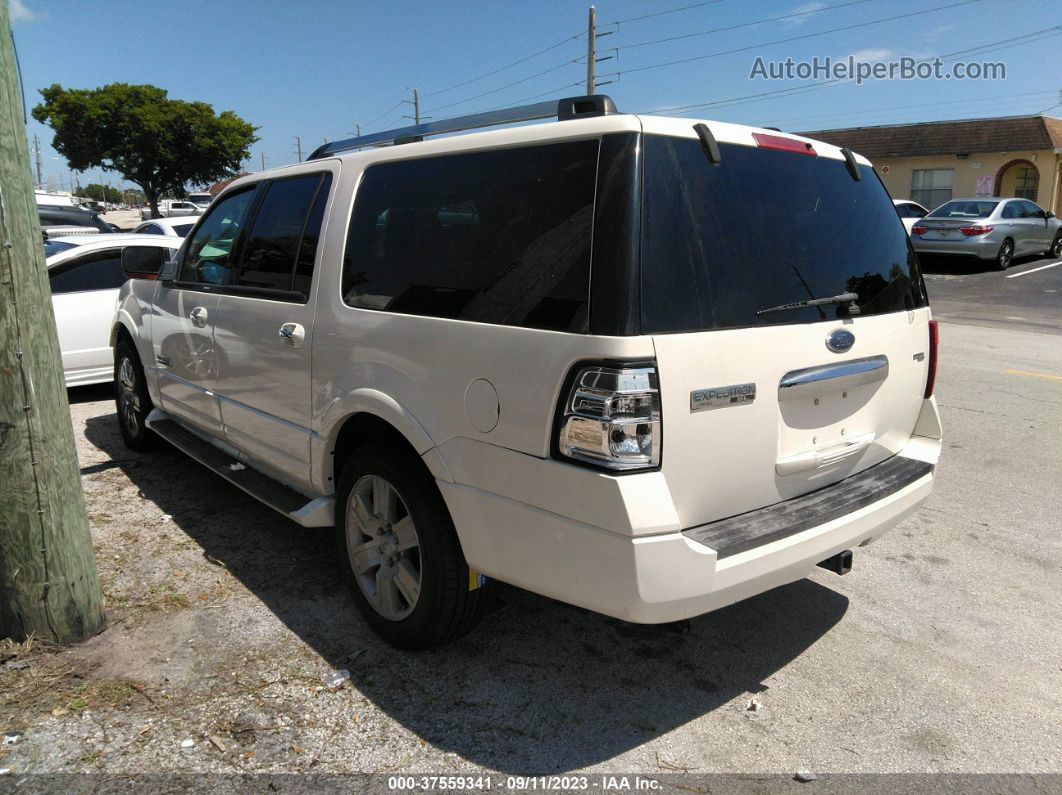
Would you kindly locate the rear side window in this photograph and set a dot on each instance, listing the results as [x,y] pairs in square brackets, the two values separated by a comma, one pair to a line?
[720,244]
[493,237]
[99,271]
[273,245]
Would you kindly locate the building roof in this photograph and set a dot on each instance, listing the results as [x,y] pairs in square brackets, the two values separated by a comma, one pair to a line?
[1001,134]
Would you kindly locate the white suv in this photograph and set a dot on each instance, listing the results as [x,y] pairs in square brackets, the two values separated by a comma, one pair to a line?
[647,366]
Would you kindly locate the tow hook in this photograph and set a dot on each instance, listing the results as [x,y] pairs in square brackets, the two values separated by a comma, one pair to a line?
[841,563]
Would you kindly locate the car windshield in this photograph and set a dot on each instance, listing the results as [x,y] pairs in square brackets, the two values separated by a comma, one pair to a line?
[55,246]
[764,229]
[964,209]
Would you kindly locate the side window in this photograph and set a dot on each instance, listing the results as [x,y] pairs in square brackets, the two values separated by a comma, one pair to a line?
[209,250]
[310,237]
[1031,210]
[493,237]
[272,246]
[101,270]
[1010,210]
[152,229]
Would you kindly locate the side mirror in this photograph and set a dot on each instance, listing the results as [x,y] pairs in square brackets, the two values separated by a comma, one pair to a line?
[1049,214]
[142,262]
[169,271]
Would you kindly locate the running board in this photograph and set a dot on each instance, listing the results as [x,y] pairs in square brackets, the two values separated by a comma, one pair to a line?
[284,499]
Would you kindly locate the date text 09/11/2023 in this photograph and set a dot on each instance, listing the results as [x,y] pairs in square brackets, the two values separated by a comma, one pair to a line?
[522,783]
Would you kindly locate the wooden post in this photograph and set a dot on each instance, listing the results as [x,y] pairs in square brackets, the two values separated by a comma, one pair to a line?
[48,581]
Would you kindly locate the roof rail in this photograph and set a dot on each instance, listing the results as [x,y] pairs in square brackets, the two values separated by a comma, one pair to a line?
[562,110]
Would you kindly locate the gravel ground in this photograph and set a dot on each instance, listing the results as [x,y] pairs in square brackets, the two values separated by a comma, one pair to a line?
[938,653]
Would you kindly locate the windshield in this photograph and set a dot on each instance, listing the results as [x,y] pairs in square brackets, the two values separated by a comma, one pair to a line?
[964,209]
[765,229]
[55,246]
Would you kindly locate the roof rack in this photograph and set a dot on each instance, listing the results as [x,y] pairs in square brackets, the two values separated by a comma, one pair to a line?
[562,110]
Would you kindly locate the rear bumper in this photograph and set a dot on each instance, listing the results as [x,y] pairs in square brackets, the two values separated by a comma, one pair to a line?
[673,575]
[980,247]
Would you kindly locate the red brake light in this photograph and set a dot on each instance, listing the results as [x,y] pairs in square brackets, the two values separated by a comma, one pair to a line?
[783,144]
[919,230]
[931,376]
[974,231]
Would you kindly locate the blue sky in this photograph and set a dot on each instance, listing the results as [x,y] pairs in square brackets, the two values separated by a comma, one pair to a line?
[315,69]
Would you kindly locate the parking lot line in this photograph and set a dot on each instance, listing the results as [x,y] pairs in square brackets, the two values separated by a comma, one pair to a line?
[1034,270]
[1048,376]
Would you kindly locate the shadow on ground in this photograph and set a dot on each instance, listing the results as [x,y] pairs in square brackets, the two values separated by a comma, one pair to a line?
[964,266]
[538,686]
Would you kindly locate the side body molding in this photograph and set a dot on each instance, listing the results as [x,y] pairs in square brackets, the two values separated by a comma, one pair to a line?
[379,404]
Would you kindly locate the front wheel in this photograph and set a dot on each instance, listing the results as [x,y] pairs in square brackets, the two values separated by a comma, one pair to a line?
[1056,248]
[1005,255]
[398,547]
[132,399]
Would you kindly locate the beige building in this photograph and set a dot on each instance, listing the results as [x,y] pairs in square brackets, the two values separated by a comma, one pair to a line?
[932,162]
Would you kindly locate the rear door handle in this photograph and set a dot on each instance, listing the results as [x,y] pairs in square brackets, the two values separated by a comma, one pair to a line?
[198,316]
[292,334]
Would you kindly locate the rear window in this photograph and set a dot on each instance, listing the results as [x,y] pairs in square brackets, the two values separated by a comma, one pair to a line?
[762,229]
[964,209]
[494,237]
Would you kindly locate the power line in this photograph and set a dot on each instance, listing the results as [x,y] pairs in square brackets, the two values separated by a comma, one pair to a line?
[394,107]
[797,38]
[743,25]
[662,13]
[503,68]
[507,85]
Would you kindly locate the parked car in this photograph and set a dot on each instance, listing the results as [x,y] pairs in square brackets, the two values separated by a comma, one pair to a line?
[996,230]
[417,345]
[52,217]
[166,226]
[85,274]
[172,209]
[909,212]
[201,200]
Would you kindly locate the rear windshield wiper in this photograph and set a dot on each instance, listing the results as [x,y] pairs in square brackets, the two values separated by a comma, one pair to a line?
[843,298]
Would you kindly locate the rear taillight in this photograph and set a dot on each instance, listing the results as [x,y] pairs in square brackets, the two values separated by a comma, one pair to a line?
[974,231]
[611,417]
[931,376]
[919,230]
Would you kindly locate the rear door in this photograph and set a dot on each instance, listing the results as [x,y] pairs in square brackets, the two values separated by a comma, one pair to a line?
[264,328]
[763,401]
[182,330]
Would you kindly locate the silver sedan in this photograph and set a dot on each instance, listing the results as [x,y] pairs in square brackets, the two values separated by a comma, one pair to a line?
[989,229]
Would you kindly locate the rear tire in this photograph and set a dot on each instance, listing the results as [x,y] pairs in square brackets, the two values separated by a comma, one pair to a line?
[397,546]
[1005,255]
[132,399]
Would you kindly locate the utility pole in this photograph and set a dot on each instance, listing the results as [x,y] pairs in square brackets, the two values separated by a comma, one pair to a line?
[298,145]
[49,586]
[591,49]
[37,154]
[263,161]
[416,107]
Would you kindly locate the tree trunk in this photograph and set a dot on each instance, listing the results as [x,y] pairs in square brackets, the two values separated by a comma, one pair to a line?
[153,201]
[48,581]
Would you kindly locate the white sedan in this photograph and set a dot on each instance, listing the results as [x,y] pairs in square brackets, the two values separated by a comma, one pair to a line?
[166,226]
[909,212]
[85,272]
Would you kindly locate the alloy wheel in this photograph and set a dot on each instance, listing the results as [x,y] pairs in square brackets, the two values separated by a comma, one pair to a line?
[128,399]
[1006,254]
[383,547]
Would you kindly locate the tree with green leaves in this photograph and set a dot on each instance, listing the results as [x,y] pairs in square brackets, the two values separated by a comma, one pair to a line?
[101,193]
[158,143]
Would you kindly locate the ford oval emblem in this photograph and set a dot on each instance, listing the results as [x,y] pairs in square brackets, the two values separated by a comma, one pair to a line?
[840,340]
